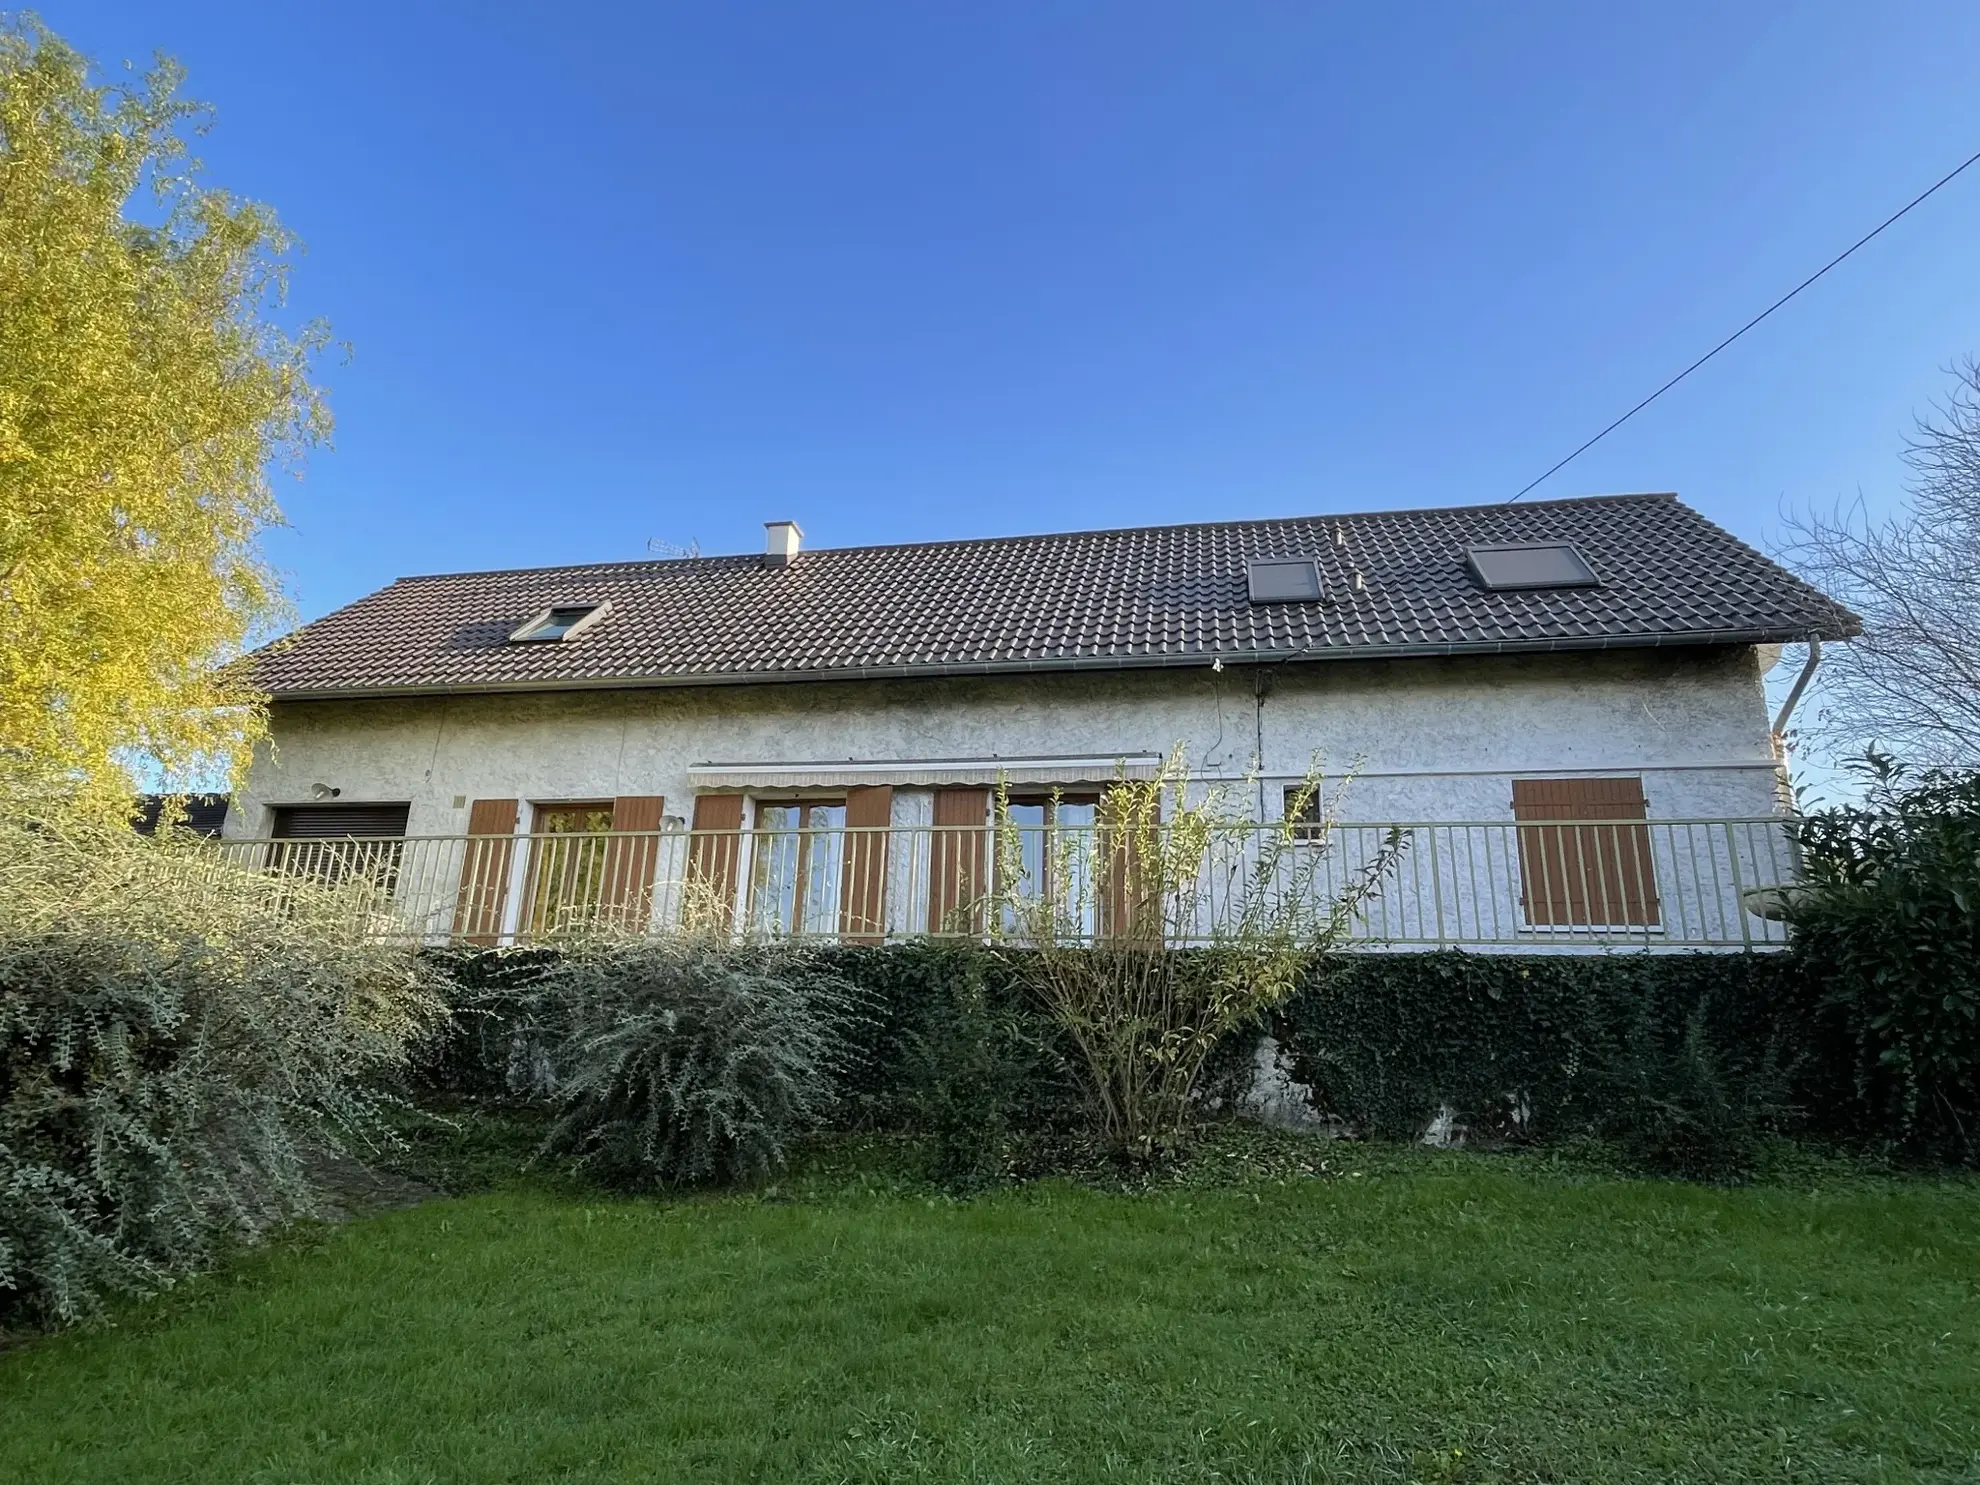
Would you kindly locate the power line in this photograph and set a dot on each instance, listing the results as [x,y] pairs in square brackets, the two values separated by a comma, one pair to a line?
[1867,237]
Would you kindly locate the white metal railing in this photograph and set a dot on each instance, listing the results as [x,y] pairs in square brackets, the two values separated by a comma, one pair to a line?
[1542,886]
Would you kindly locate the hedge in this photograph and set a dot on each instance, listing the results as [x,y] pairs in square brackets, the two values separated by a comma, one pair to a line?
[1684,1059]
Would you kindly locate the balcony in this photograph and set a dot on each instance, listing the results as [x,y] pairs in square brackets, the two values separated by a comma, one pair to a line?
[1557,886]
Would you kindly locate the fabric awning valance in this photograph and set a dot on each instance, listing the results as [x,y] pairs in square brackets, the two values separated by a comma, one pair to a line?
[849,773]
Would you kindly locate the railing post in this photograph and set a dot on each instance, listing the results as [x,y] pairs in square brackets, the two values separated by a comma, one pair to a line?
[1437,886]
[1739,887]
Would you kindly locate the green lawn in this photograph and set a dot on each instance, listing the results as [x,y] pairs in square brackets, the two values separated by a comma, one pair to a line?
[1436,1317]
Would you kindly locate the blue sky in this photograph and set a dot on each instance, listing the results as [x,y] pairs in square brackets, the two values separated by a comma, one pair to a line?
[899,272]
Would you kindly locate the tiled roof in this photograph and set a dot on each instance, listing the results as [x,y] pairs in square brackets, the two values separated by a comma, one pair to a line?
[1395,583]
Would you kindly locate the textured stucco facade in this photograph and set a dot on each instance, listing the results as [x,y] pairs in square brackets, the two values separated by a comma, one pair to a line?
[1429,739]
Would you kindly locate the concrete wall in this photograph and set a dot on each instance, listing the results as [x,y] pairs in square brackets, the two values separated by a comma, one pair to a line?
[1433,739]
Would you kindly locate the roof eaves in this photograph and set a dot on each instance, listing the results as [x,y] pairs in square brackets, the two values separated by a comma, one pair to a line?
[1675,639]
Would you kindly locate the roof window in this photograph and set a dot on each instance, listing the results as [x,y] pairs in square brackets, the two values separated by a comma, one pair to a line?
[1284,580]
[560,621]
[1529,564]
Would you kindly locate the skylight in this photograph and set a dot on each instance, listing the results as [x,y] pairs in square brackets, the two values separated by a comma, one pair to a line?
[1284,580]
[1529,564]
[560,621]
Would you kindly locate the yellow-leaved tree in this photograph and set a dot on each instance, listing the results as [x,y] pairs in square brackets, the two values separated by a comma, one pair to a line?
[147,389]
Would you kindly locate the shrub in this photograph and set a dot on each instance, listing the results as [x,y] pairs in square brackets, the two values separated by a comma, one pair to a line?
[499,1038]
[1090,917]
[1682,1060]
[179,1040]
[1687,1100]
[1889,934]
[985,1077]
[693,1060]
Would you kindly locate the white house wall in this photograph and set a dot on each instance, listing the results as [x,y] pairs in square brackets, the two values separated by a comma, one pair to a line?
[1428,739]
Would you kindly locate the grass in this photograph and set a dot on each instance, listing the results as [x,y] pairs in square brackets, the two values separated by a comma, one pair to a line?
[1397,1315]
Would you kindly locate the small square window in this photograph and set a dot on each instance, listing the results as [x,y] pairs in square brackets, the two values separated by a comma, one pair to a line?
[1284,580]
[1308,815]
[560,621]
[1529,564]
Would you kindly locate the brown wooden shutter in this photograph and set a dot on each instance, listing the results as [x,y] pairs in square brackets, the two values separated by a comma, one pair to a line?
[956,857]
[1129,905]
[714,856]
[863,890]
[1585,875]
[630,861]
[485,862]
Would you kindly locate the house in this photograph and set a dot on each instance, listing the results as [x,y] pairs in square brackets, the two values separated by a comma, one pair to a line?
[1498,665]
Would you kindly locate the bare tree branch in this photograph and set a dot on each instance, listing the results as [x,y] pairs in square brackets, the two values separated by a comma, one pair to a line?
[1911,682]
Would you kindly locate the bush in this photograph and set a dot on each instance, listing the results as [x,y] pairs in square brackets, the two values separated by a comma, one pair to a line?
[1890,940]
[985,1076]
[1688,1100]
[179,1041]
[694,1060]
[947,1047]
[1680,1060]
[1089,915]
[499,1038]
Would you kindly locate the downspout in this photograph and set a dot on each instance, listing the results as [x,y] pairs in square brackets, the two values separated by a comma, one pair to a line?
[1801,684]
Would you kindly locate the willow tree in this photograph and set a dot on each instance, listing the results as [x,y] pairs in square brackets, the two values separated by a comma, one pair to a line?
[147,391]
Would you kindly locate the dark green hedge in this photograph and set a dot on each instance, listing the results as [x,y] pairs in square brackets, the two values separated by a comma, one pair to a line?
[1683,1058]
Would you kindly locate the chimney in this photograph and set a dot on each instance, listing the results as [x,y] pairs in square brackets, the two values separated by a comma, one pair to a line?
[783,545]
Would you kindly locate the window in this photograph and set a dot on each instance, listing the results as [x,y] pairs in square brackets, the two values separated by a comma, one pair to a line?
[567,863]
[1048,851]
[1507,565]
[1589,874]
[1304,808]
[797,853]
[333,842]
[560,621]
[1284,580]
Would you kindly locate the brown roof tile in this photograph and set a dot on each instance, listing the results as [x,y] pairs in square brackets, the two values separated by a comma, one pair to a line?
[1160,595]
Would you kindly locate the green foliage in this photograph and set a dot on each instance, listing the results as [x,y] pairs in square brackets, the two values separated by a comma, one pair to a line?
[1691,1098]
[691,1061]
[943,1044]
[148,387]
[178,1042]
[980,1073]
[497,1040]
[1889,935]
[1681,1060]
[1683,1063]
[1092,916]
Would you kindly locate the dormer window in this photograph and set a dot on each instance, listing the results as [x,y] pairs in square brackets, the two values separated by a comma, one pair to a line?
[1507,565]
[559,622]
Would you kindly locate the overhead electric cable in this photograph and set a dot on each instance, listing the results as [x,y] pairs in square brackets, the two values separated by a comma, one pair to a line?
[1867,237]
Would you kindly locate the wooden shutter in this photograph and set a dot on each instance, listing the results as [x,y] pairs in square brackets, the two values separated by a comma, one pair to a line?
[1129,904]
[485,862]
[1585,875]
[863,891]
[631,860]
[714,855]
[956,855]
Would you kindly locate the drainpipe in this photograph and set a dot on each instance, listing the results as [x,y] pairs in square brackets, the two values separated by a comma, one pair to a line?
[1801,684]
